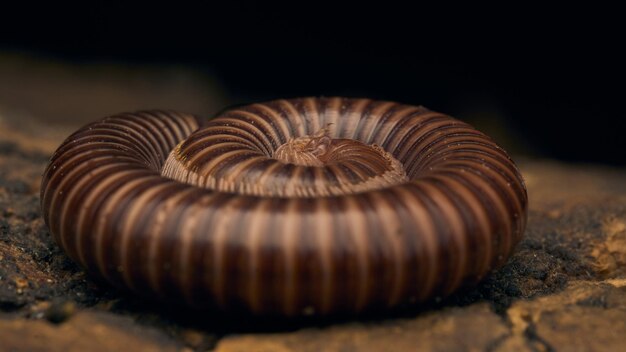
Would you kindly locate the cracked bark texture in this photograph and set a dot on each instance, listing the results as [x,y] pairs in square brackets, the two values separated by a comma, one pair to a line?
[564,289]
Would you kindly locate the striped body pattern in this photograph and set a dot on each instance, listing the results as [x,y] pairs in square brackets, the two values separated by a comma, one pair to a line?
[290,207]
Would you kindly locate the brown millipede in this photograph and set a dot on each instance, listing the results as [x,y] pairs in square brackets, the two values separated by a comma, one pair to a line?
[289,207]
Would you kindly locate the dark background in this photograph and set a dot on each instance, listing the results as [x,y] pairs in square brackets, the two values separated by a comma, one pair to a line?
[547,82]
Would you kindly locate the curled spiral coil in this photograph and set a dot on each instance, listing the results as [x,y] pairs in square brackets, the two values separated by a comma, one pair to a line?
[312,205]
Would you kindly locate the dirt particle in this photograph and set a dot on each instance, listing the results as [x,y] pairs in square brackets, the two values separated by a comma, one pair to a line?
[60,311]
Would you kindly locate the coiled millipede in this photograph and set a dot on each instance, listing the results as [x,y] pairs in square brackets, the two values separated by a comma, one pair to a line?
[313,205]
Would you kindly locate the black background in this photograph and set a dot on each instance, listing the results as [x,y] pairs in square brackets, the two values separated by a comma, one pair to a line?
[552,75]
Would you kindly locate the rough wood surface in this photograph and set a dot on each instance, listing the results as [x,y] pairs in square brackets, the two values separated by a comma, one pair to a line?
[564,288]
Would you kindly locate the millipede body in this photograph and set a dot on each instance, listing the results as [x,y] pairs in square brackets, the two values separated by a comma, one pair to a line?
[290,207]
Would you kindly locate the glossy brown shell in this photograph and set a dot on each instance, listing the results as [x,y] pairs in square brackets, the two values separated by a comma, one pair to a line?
[459,215]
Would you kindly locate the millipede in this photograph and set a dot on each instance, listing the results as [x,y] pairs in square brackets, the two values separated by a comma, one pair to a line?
[290,207]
